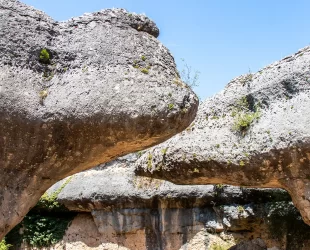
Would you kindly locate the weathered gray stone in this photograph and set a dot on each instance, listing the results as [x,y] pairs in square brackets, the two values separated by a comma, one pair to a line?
[114,185]
[107,89]
[157,214]
[272,151]
[256,244]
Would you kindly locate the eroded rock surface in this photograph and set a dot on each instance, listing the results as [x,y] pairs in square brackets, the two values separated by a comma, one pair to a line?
[78,93]
[139,213]
[253,133]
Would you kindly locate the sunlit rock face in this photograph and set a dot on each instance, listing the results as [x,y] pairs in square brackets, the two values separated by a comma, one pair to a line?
[253,133]
[79,93]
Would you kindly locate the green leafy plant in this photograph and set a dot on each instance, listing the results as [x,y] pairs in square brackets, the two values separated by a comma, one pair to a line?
[44,56]
[44,231]
[243,116]
[45,224]
[49,201]
[143,58]
[4,245]
[244,120]
[170,106]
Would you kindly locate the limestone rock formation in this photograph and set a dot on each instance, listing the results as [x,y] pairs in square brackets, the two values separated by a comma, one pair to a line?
[256,244]
[79,93]
[253,133]
[118,210]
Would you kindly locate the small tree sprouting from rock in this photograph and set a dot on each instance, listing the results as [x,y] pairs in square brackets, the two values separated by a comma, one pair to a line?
[189,76]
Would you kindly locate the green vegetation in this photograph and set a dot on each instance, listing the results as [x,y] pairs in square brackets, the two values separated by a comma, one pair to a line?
[140,153]
[144,70]
[44,231]
[4,245]
[188,76]
[241,163]
[164,151]
[44,56]
[149,161]
[244,121]
[243,116]
[177,81]
[48,75]
[170,106]
[284,221]
[84,69]
[240,209]
[247,78]
[49,202]
[43,226]
[137,66]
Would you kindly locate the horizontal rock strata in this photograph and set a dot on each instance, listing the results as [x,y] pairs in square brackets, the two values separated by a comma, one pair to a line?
[142,213]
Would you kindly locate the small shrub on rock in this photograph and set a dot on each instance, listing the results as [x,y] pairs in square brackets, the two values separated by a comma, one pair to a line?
[44,56]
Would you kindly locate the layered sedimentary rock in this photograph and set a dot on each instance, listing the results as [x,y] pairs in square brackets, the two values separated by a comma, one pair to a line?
[118,210]
[79,93]
[253,133]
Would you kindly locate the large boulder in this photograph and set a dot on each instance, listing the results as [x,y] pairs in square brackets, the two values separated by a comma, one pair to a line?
[78,93]
[253,133]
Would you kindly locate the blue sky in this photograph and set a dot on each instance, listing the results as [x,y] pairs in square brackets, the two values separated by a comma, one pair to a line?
[221,38]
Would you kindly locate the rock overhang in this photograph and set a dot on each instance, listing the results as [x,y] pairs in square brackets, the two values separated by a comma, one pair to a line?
[253,133]
[78,93]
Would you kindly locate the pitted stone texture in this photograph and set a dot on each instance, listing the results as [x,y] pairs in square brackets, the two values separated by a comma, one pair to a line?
[114,185]
[273,152]
[105,92]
